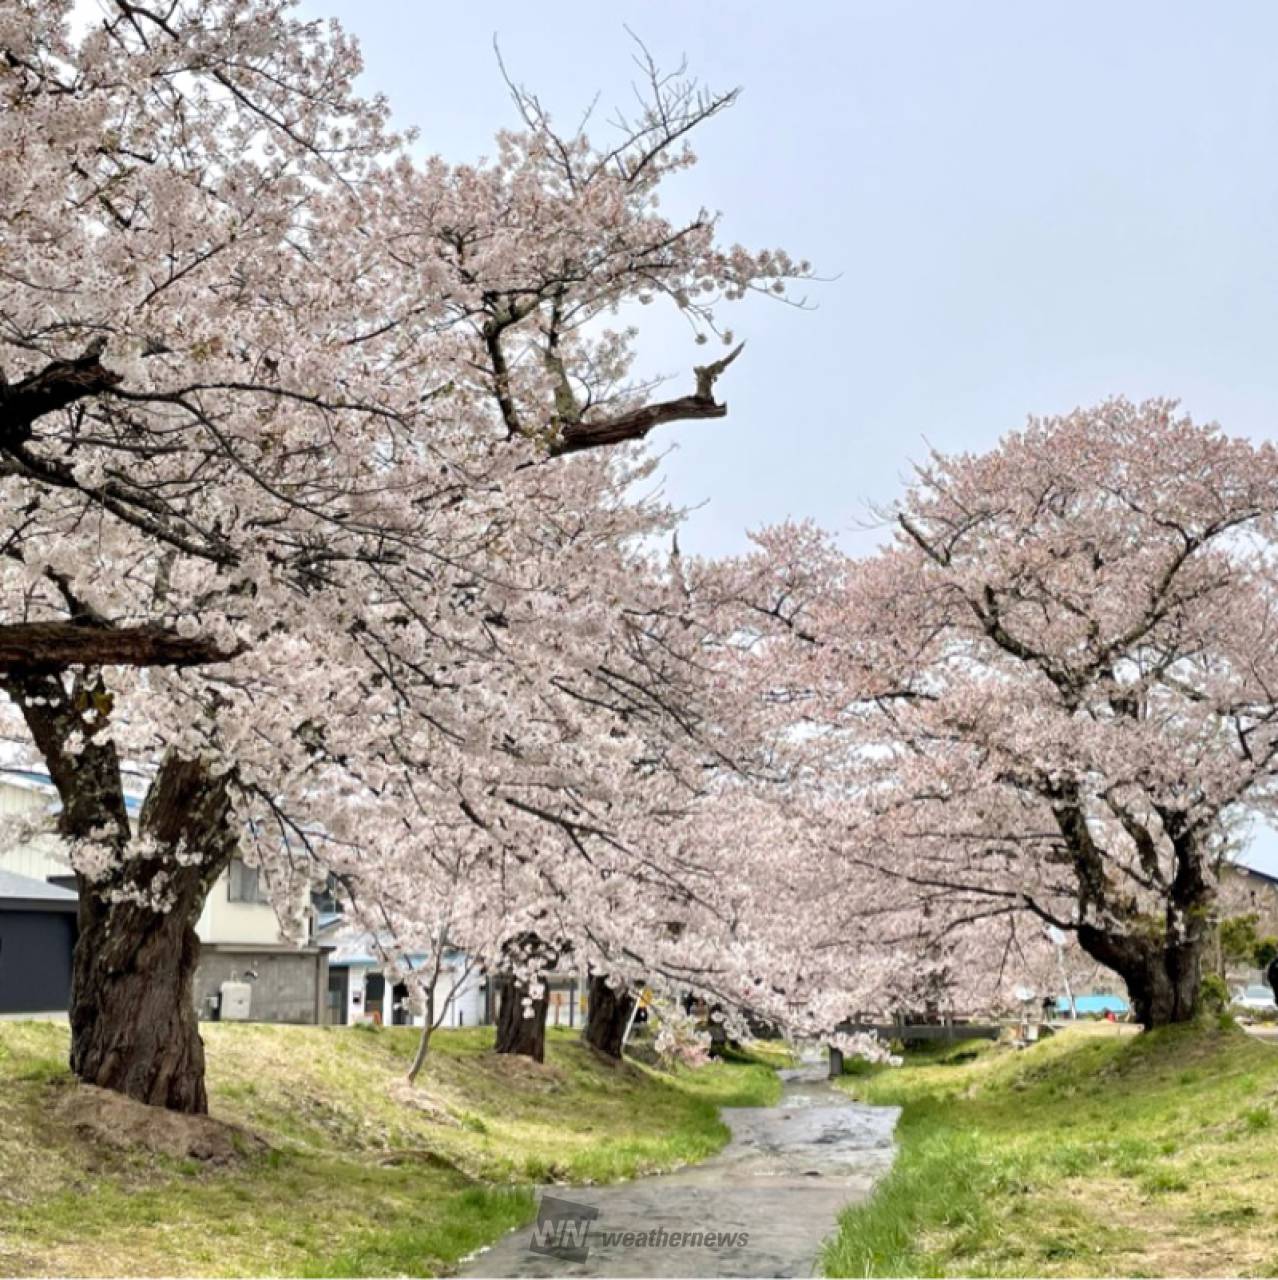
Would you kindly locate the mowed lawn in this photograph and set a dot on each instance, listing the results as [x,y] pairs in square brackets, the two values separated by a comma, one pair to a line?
[363,1175]
[1094,1153]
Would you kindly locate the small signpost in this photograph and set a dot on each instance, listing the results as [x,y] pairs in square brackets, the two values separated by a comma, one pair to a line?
[643,1002]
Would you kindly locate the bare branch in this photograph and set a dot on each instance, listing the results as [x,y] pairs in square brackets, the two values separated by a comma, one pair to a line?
[576,436]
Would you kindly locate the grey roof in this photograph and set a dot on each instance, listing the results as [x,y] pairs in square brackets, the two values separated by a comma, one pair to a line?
[16,889]
[1254,872]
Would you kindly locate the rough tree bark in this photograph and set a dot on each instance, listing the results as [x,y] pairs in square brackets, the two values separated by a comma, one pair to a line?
[576,434]
[1160,961]
[518,1032]
[610,1010]
[59,384]
[36,646]
[1162,967]
[133,1018]
[1163,977]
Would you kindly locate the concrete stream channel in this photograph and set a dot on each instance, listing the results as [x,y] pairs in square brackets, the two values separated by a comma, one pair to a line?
[761,1207]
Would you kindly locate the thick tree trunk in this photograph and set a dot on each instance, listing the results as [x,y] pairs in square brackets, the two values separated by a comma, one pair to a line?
[609,1016]
[1164,980]
[1162,966]
[133,1018]
[133,1021]
[836,1063]
[516,1032]
[1168,988]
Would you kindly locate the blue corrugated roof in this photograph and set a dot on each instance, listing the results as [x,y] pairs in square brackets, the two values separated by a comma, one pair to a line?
[341,961]
[132,804]
[31,776]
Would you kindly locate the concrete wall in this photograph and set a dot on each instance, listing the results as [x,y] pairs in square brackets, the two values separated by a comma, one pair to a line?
[291,985]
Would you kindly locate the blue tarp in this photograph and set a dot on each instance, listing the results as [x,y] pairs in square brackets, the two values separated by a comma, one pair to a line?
[1093,1004]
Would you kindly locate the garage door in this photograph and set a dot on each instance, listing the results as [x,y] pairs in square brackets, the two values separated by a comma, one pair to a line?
[35,961]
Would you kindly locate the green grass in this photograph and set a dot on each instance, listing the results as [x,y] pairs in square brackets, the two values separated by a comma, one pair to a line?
[363,1175]
[1093,1153]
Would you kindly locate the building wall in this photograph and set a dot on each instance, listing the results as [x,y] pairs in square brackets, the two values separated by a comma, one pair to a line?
[465,994]
[356,975]
[460,998]
[35,961]
[221,920]
[568,1002]
[39,858]
[237,922]
[291,985]
[1242,893]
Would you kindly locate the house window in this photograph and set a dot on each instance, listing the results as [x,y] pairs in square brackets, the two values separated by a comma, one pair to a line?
[244,883]
[325,900]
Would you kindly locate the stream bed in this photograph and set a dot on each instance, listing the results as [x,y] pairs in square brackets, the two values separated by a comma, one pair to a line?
[761,1207]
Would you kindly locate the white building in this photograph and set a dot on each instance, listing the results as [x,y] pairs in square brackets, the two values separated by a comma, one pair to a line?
[360,991]
[25,793]
[238,929]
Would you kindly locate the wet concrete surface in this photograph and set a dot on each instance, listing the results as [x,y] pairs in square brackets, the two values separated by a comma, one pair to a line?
[767,1200]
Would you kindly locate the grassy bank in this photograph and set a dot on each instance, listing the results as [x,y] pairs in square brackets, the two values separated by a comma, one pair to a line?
[1093,1153]
[363,1176]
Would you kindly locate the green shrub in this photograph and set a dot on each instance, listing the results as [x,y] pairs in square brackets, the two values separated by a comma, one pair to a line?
[1214,994]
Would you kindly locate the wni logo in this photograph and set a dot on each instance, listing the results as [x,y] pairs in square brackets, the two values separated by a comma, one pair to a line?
[562,1229]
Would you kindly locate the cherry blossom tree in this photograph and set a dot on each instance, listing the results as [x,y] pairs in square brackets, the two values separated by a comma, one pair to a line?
[306,501]
[1051,695]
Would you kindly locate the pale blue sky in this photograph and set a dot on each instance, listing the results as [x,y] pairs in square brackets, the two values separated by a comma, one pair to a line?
[1027,207]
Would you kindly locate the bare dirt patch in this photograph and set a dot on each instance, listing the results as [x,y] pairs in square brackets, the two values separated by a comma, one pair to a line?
[516,1069]
[408,1095]
[125,1125]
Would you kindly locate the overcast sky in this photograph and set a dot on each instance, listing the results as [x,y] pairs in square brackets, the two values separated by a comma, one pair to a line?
[1021,208]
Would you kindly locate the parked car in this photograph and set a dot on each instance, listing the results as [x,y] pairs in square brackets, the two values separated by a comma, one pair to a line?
[1255,998]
